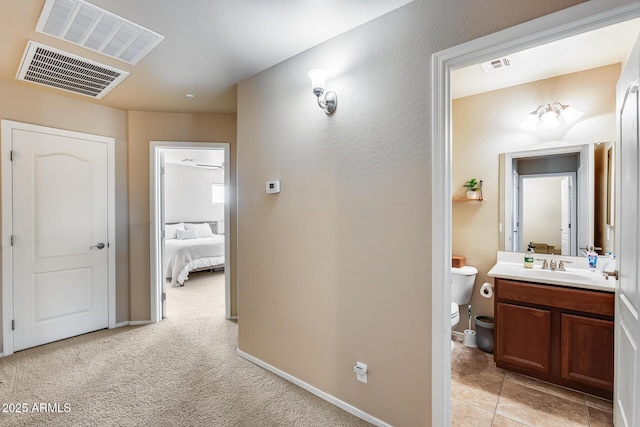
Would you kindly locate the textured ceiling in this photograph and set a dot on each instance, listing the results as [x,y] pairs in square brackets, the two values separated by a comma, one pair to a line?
[209,46]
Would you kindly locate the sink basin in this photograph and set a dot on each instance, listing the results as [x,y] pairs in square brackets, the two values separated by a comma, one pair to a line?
[574,277]
[538,273]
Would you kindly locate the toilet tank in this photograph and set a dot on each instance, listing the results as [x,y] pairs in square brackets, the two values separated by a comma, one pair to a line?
[462,281]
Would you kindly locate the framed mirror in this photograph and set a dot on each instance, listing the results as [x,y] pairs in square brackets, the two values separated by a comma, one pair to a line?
[558,199]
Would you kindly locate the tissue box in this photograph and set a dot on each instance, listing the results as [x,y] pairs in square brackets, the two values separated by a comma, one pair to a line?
[457,261]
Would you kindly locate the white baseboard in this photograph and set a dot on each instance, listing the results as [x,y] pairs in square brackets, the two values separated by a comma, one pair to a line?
[131,323]
[139,322]
[311,389]
[457,334]
[121,324]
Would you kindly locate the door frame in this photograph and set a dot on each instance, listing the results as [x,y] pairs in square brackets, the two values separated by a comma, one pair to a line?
[573,238]
[7,221]
[155,204]
[568,22]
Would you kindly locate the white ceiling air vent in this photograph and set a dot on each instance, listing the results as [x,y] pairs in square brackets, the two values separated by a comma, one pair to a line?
[86,25]
[54,68]
[495,64]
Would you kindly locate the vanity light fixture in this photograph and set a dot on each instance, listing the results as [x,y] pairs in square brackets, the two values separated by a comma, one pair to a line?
[318,79]
[550,116]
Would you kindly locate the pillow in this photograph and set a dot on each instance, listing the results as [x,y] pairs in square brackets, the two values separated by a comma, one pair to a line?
[202,230]
[186,234]
[170,230]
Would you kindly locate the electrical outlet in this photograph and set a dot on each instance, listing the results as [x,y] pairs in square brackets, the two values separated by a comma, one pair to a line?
[361,372]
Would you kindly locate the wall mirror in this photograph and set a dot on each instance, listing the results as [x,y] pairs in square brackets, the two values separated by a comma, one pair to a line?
[559,199]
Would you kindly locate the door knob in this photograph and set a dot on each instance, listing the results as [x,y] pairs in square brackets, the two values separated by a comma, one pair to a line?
[99,246]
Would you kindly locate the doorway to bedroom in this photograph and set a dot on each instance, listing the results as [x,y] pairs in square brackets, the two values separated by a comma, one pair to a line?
[189,212]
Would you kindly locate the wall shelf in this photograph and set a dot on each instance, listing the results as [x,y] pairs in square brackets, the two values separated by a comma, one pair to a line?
[480,197]
[469,200]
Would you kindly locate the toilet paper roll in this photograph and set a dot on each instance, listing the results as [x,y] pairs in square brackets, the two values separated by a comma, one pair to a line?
[486,290]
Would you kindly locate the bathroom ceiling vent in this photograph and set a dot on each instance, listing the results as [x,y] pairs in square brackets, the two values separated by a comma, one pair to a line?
[46,66]
[495,64]
[86,25]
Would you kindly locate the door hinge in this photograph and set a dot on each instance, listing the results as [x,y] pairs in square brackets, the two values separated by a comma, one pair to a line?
[11,240]
[164,296]
[11,156]
[13,325]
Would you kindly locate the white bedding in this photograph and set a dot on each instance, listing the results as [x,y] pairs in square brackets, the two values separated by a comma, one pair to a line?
[183,256]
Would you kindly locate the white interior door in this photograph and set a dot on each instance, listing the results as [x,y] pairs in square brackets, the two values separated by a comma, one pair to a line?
[163,235]
[60,237]
[565,215]
[586,205]
[627,334]
[516,241]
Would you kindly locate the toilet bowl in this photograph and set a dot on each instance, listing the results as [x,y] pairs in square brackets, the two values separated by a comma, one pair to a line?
[462,281]
[455,315]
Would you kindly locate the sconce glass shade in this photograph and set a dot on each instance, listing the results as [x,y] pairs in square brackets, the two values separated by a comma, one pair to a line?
[530,123]
[550,116]
[318,80]
[570,114]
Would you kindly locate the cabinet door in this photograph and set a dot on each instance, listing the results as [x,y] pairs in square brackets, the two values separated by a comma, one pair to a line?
[587,351]
[523,337]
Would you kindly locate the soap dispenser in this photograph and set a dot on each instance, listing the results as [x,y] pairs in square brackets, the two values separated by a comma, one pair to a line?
[528,257]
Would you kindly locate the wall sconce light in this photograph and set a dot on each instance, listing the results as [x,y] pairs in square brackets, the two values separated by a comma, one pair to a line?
[330,101]
[550,116]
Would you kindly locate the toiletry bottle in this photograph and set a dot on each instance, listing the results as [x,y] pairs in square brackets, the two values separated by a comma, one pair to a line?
[528,257]
[610,266]
[603,261]
[592,257]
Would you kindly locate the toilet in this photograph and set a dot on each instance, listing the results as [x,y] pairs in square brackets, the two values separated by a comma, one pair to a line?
[462,281]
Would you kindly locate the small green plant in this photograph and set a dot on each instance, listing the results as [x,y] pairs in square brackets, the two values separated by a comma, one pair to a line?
[471,185]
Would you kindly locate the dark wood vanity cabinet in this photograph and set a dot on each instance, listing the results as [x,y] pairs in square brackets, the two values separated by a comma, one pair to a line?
[557,334]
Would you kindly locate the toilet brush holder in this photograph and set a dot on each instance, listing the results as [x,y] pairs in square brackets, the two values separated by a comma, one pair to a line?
[469,338]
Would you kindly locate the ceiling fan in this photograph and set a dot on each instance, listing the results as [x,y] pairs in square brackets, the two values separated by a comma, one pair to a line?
[204,165]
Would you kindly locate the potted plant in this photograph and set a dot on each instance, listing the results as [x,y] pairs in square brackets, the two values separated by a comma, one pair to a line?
[472,188]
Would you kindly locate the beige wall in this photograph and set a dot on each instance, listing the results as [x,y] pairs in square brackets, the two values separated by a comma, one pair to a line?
[145,127]
[486,125]
[30,105]
[336,268]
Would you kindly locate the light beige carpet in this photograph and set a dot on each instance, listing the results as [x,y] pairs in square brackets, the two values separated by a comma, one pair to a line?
[183,371]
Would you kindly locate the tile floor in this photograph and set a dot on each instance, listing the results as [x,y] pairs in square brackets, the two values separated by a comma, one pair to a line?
[484,395]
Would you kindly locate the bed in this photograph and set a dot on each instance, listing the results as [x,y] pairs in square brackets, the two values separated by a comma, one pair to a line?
[191,247]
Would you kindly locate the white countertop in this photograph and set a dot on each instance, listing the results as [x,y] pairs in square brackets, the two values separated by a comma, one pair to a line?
[510,265]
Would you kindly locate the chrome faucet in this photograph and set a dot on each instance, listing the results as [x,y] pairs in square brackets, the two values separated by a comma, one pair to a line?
[553,265]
